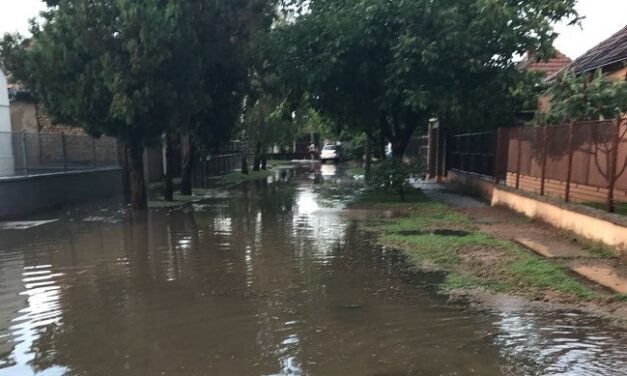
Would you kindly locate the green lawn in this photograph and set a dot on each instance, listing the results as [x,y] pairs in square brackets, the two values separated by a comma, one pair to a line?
[621,207]
[436,237]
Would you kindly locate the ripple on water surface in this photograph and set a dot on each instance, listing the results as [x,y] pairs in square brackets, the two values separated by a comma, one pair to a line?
[263,282]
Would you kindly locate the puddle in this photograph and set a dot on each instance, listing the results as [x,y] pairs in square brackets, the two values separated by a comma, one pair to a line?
[263,283]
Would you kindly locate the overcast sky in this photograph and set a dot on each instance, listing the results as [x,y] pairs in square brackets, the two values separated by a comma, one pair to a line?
[603,18]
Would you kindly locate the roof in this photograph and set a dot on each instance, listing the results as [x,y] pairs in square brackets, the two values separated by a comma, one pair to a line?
[611,51]
[549,67]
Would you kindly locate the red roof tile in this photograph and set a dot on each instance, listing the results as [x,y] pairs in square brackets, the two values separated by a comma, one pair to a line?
[549,67]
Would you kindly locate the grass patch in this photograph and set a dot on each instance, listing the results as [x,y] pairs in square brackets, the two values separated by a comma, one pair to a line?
[621,207]
[357,171]
[476,259]
[620,298]
[235,178]
[540,274]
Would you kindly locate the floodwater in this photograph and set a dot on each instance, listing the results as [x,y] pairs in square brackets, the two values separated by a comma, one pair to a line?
[267,279]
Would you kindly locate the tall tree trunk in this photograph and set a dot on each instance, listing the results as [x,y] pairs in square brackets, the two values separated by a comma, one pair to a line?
[367,156]
[137,183]
[187,165]
[244,152]
[244,164]
[264,159]
[168,186]
[257,161]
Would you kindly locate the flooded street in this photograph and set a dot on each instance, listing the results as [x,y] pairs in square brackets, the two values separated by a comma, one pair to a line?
[271,278]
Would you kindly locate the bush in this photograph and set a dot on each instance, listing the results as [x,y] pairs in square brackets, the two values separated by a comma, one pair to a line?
[389,175]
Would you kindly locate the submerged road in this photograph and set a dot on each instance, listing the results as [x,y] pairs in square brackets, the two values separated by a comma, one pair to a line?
[270,278]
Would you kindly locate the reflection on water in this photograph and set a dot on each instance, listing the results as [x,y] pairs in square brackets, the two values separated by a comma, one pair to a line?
[263,281]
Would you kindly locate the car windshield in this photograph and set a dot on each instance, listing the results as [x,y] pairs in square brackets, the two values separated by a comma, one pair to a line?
[329,148]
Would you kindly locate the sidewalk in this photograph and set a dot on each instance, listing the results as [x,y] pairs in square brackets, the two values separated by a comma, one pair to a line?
[591,262]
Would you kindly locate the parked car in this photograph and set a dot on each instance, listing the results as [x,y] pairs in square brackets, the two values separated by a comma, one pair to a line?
[331,153]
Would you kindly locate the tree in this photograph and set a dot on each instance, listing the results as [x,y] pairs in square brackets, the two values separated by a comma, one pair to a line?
[139,70]
[227,45]
[390,65]
[104,66]
[584,97]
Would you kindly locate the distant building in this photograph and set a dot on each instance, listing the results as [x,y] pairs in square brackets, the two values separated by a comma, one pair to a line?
[548,67]
[7,164]
[610,56]
[29,116]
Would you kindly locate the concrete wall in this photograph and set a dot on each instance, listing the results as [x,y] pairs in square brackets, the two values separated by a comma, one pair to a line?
[596,227]
[470,184]
[7,163]
[27,195]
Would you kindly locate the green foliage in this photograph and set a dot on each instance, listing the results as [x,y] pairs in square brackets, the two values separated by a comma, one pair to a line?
[381,66]
[389,175]
[585,97]
[136,69]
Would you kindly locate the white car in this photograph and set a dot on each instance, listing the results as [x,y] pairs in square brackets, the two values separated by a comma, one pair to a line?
[331,153]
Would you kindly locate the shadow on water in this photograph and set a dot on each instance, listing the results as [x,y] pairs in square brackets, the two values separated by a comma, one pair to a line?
[266,279]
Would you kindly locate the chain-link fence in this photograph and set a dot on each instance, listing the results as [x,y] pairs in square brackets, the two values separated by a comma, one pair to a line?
[26,154]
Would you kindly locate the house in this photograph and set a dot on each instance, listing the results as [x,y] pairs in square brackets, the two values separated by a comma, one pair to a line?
[546,67]
[610,56]
[7,164]
[29,116]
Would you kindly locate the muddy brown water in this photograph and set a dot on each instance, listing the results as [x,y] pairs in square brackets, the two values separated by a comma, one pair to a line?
[260,280]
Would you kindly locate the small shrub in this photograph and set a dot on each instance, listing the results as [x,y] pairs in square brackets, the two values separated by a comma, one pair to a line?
[389,175]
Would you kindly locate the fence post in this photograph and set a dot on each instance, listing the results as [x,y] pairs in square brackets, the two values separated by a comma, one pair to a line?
[64,152]
[497,154]
[569,171]
[93,152]
[518,158]
[545,145]
[24,153]
[613,167]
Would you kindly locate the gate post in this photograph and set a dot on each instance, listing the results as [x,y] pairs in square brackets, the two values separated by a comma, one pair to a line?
[64,152]
[545,143]
[569,171]
[497,155]
[520,130]
[24,153]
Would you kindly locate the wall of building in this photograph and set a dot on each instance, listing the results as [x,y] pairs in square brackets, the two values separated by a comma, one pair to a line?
[7,163]
[22,196]
[24,117]
[29,116]
[470,184]
[619,74]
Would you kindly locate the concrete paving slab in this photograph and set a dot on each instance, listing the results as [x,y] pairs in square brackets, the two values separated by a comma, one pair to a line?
[552,249]
[614,278]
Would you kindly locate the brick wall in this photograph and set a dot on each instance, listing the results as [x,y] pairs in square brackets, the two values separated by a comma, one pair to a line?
[556,188]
